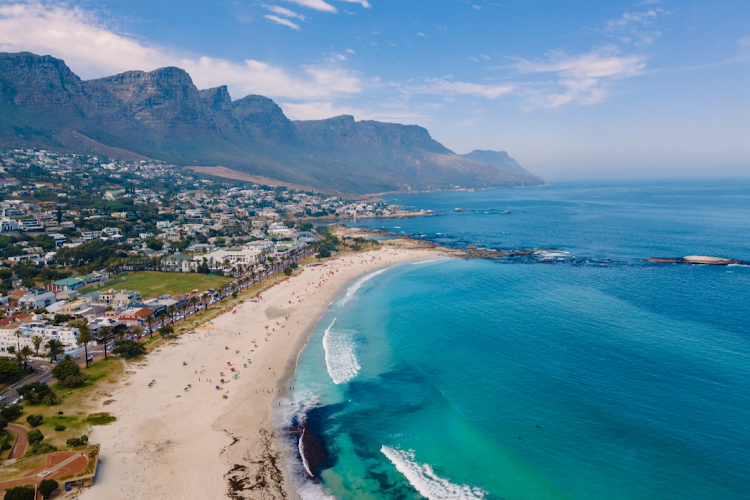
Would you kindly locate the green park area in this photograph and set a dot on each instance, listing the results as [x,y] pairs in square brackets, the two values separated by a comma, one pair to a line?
[153,283]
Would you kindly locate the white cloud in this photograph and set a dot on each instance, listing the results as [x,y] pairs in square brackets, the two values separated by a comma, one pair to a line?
[92,50]
[744,42]
[350,51]
[315,4]
[282,21]
[445,86]
[585,79]
[363,3]
[421,34]
[636,27]
[282,11]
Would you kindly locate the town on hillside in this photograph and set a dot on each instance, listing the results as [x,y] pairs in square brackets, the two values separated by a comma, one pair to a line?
[101,258]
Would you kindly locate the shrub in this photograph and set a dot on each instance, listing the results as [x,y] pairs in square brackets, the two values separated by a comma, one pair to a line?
[52,398]
[294,265]
[34,392]
[47,487]
[129,348]
[11,412]
[41,448]
[81,441]
[100,419]
[35,436]
[35,420]
[288,271]
[60,428]
[20,493]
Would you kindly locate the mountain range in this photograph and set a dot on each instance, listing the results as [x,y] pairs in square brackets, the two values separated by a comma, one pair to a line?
[162,115]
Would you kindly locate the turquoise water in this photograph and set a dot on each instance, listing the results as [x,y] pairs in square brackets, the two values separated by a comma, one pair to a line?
[577,373]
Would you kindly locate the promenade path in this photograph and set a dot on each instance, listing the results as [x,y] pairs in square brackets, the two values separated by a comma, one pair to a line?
[22,440]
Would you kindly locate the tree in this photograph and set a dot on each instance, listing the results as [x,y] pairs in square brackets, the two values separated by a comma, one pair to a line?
[129,349]
[47,487]
[137,331]
[68,373]
[20,493]
[35,392]
[26,353]
[171,309]
[54,348]
[104,333]
[162,318]
[84,337]
[18,335]
[7,367]
[193,301]
[166,331]
[37,341]
[149,322]
[205,301]
[11,349]
[288,271]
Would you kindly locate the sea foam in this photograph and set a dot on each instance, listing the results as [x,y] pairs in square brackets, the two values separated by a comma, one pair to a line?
[341,361]
[426,482]
[357,284]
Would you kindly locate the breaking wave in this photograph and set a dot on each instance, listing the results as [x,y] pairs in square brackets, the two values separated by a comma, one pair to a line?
[426,482]
[341,361]
[357,284]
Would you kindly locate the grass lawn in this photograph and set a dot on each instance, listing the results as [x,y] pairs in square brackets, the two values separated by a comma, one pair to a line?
[101,376]
[17,469]
[152,283]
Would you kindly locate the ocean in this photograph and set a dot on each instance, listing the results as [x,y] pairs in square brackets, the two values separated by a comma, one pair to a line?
[580,371]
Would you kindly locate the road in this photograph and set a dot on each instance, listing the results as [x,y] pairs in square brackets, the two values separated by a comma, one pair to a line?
[42,374]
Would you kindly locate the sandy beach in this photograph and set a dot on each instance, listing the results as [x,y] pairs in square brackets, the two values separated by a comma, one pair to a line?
[173,442]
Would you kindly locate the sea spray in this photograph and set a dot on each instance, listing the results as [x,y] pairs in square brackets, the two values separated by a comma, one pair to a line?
[426,482]
[341,361]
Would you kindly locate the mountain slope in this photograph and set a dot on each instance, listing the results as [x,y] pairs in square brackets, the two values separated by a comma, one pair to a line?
[161,114]
[497,159]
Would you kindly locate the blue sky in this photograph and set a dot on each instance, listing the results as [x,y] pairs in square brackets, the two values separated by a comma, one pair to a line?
[570,89]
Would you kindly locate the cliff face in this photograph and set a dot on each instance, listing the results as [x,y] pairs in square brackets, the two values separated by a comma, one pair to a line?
[162,114]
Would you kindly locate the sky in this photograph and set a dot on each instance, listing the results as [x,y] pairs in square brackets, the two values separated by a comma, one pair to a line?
[571,89]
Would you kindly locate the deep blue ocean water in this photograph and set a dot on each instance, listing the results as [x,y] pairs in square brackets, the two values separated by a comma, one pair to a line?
[581,372]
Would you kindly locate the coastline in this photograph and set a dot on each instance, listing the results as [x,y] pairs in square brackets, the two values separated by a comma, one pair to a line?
[171,439]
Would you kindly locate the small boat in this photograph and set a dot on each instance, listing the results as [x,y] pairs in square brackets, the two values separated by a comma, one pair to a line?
[506,212]
[460,210]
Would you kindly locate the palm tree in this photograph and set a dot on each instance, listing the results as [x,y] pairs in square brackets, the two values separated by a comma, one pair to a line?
[162,317]
[171,309]
[18,336]
[84,337]
[37,341]
[205,301]
[105,332]
[193,301]
[54,348]
[25,353]
[183,308]
[137,331]
[149,322]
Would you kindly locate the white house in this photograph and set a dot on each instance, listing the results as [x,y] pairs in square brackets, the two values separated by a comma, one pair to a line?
[119,298]
[215,260]
[36,298]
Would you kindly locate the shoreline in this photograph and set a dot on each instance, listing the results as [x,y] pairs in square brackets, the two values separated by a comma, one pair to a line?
[202,442]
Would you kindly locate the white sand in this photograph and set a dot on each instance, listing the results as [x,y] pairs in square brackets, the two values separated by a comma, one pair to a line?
[172,443]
